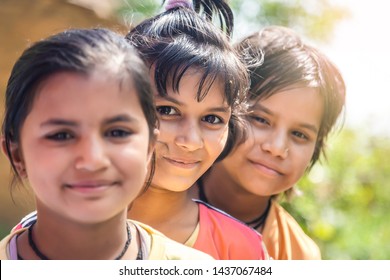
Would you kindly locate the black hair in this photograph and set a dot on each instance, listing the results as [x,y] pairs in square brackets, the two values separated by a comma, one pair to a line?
[181,39]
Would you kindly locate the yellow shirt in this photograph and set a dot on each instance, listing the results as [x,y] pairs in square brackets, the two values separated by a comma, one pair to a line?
[285,239]
[159,246]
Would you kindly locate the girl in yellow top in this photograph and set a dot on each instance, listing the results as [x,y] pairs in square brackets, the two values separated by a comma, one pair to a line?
[80,126]
[296,96]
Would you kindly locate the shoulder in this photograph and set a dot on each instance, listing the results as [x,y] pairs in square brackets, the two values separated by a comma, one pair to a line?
[222,220]
[288,222]
[26,221]
[225,237]
[164,248]
[284,237]
[5,254]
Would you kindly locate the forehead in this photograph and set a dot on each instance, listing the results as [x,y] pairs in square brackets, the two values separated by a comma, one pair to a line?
[189,86]
[179,78]
[303,104]
[97,93]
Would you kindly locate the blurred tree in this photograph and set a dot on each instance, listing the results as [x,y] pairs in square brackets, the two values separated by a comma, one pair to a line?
[134,11]
[313,19]
[347,199]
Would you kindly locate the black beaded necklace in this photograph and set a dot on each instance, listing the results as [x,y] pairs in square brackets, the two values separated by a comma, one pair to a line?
[44,257]
[255,223]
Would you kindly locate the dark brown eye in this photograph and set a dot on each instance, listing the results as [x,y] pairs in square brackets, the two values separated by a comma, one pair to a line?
[166,110]
[59,136]
[212,119]
[118,133]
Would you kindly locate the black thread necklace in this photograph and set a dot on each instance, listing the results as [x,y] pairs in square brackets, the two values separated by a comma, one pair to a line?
[44,257]
[255,223]
[260,220]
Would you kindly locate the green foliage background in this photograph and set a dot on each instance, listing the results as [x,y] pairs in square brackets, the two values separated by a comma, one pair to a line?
[313,19]
[345,201]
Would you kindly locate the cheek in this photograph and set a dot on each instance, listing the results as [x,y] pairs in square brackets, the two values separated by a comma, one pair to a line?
[44,178]
[167,131]
[237,158]
[216,140]
[38,155]
[302,161]
[243,150]
[46,171]
[135,156]
[40,160]
[224,137]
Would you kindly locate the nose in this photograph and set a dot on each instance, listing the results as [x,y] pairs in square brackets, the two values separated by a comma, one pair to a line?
[189,136]
[91,154]
[276,143]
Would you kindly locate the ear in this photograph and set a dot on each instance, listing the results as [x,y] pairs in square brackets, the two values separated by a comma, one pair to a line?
[14,156]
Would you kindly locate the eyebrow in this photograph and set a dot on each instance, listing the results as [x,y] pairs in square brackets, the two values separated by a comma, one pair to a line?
[63,122]
[51,122]
[221,109]
[259,107]
[269,112]
[120,118]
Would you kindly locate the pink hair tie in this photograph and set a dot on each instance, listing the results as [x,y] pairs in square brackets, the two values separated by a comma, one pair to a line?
[179,3]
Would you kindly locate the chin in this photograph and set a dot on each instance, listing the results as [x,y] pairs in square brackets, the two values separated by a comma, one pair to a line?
[259,191]
[94,217]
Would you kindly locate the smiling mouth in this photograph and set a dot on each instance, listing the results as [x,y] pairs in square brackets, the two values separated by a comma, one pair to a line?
[182,163]
[91,187]
[266,169]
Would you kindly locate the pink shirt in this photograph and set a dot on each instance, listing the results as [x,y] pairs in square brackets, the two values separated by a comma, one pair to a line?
[226,238]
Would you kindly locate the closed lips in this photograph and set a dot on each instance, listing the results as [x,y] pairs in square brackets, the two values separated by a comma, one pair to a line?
[91,184]
[182,161]
[269,167]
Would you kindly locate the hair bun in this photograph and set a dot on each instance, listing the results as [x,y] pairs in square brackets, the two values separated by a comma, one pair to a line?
[179,3]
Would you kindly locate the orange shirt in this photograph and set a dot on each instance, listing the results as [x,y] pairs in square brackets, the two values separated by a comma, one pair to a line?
[226,238]
[285,239]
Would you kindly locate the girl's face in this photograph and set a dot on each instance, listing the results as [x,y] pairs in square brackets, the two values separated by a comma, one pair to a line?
[85,147]
[281,141]
[192,133]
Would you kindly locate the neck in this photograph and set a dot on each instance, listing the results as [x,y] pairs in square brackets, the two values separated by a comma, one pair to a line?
[234,199]
[62,239]
[172,213]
